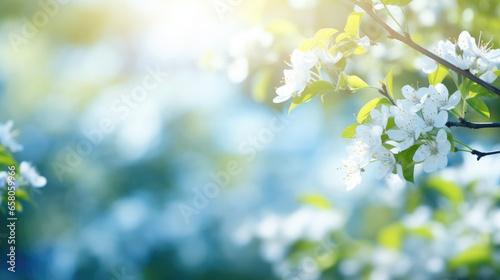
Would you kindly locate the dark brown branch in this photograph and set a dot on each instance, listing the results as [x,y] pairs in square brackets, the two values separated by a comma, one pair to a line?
[406,39]
[481,154]
[467,124]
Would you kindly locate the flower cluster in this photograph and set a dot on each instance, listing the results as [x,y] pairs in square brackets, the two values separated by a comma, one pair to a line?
[317,54]
[400,136]
[478,57]
[29,174]
[297,78]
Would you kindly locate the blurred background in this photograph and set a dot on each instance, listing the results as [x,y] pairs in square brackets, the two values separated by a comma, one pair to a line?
[166,159]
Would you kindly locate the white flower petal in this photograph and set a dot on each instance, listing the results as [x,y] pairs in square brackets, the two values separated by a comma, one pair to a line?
[441,136]
[455,99]
[441,119]
[428,65]
[422,153]
[397,135]
[489,77]
[384,169]
[430,164]
[281,98]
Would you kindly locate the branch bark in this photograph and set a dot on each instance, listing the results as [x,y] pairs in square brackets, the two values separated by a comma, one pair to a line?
[406,39]
[481,154]
[463,123]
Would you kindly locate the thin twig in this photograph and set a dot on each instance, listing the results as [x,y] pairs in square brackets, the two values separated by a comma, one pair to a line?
[406,39]
[385,93]
[478,153]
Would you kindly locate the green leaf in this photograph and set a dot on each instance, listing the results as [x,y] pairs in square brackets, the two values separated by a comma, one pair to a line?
[350,131]
[316,200]
[406,159]
[353,22]
[390,124]
[422,231]
[322,37]
[356,82]
[479,91]
[307,45]
[319,87]
[19,206]
[392,236]
[365,111]
[342,81]
[479,254]
[22,194]
[400,3]
[464,88]
[479,106]
[6,158]
[388,81]
[438,76]
[409,173]
[450,190]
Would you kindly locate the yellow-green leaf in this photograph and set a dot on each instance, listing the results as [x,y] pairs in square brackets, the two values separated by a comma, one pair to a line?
[356,82]
[316,200]
[353,22]
[365,111]
[307,45]
[343,37]
[388,81]
[450,190]
[6,158]
[324,35]
[474,255]
[359,50]
[400,3]
[319,87]
[479,106]
[422,231]
[350,131]
[438,76]
[392,236]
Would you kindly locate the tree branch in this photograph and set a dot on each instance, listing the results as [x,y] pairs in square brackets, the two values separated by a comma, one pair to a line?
[463,123]
[406,39]
[478,153]
[481,154]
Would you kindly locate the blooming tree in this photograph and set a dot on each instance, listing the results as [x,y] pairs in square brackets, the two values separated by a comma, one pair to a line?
[397,134]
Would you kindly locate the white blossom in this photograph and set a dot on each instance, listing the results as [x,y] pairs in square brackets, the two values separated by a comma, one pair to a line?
[387,160]
[433,152]
[295,83]
[416,98]
[352,173]
[488,77]
[297,78]
[31,175]
[303,61]
[380,118]
[410,126]
[432,117]
[481,53]
[465,54]
[440,97]
[359,151]
[371,136]
[7,139]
